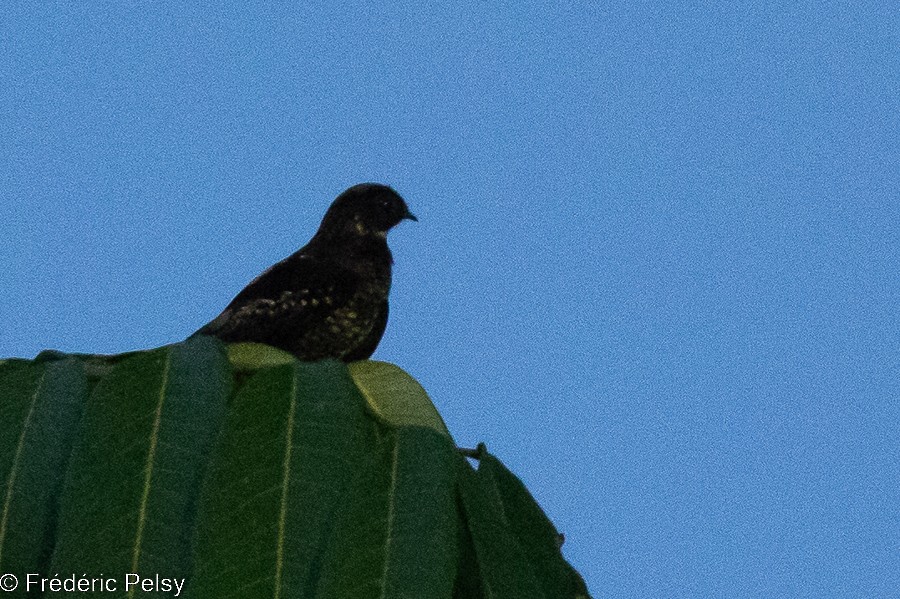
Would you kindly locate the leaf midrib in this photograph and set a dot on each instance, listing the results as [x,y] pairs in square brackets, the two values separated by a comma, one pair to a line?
[148,468]
[389,537]
[285,484]
[14,471]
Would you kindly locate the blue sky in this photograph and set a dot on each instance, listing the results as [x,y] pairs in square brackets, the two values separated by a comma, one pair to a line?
[656,268]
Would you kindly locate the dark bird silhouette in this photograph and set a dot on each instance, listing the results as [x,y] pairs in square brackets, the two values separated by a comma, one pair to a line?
[330,298]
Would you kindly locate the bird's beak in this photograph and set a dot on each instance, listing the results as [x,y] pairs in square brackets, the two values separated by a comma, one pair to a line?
[410,216]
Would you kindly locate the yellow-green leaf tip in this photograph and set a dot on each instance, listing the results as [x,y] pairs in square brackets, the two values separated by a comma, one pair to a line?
[252,356]
[394,396]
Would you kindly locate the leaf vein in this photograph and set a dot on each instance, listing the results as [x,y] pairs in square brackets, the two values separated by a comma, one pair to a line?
[285,483]
[392,492]
[14,471]
[148,468]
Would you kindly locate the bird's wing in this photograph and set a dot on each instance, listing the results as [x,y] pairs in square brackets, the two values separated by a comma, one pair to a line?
[368,346]
[288,296]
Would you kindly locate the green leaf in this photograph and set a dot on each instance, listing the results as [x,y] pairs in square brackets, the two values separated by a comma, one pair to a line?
[136,466]
[468,579]
[397,533]
[19,386]
[247,357]
[307,496]
[313,480]
[504,569]
[395,397]
[535,534]
[40,406]
[287,452]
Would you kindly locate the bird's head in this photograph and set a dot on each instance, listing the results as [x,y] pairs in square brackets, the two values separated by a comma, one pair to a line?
[367,209]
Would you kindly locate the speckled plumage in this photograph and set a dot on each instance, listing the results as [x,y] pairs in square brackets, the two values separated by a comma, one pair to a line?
[330,298]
